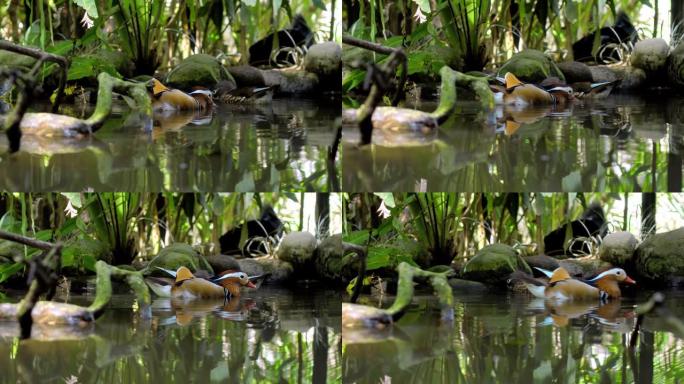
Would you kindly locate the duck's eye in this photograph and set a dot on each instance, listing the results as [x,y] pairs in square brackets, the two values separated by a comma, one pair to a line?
[618,273]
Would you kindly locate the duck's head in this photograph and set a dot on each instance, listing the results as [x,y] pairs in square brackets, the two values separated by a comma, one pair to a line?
[562,94]
[182,274]
[204,97]
[615,274]
[240,278]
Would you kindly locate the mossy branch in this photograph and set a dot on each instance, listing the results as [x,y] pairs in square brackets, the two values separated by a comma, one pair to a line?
[107,84]
[103,292]
[405,287]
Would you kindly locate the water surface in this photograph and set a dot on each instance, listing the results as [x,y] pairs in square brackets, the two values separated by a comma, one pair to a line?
[512,338]
[621,144]
[269,335]
[279,146]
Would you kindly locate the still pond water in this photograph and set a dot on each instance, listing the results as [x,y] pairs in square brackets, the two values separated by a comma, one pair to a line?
[280,146]
[621,144]
[268,336]
[515,339]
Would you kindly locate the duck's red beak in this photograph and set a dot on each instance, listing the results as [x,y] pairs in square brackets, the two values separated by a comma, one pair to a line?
[250,285]
[628,280]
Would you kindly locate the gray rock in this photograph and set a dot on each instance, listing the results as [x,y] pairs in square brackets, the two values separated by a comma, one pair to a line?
[291,81]
[531,66]
[602,74]
[460,285]
[493,264]
[297,248]
[222,263]
[618,248]
[324,59]
[583,267]
[632,78]
[247,76]
[661,256]
[278,271]
[575,72]
[542,261]
[650,54]
[198,70]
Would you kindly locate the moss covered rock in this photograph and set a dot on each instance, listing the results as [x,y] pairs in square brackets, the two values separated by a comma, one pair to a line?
[675,66]
[493,265]
[650,54]
[198,70]
[661,256]
[324,59]
[618,248]
[332,262]
[531,66]
[176,255]
[297,248]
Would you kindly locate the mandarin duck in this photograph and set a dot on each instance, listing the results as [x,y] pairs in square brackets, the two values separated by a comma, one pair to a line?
[560,287]
[166,99]
[512,91]
[188,286]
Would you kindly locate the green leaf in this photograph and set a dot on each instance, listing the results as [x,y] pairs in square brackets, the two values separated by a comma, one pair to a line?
[353,79]
[89,262]
[424,5]
[90,66]
[90,7]
[68,257]
[8,270]
[387,197]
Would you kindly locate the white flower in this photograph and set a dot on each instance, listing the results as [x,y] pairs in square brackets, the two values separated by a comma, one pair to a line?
[419,16]
[87,21]
[70,210]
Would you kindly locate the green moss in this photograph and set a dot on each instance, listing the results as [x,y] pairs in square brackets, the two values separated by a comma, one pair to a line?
[198,70]
[661,256]
[493,265]
[531,66]
[176,255]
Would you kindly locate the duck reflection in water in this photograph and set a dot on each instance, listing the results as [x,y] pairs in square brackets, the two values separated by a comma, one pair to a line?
[182,312]
[512,119]
[609,316]
[174,121]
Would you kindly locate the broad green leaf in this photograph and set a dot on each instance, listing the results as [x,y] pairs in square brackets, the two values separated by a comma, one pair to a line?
[90,6]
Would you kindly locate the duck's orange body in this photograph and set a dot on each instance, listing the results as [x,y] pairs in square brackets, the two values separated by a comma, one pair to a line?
[167,99]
